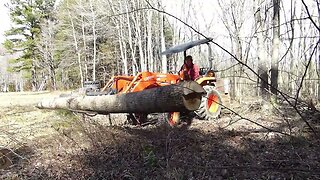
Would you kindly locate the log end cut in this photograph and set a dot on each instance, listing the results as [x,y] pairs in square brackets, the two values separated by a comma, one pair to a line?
[192,94]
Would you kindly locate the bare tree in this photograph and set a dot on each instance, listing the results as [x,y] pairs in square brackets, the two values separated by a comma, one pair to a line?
[233,19]
[84,39]
[164,63]
[262,54]
[275,47]
[94,60]
[76,45]
[149,42]
[131,41]
[46,48]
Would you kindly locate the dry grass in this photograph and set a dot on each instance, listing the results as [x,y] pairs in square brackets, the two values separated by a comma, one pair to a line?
[24,98]
[46,144]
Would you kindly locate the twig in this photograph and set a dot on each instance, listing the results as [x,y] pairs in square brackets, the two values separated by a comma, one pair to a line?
[253,167]
[13,152]
[237,114]
[285,96]
[309,16]
[305,72]
[240,62]
[228,67]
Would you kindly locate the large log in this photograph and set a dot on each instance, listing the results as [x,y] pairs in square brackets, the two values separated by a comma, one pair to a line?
[185,96]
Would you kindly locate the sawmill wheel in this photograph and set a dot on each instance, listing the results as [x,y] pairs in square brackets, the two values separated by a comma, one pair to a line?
[173,118]
[210,107]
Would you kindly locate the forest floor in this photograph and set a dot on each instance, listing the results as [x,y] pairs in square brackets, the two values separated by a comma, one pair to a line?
[47,144]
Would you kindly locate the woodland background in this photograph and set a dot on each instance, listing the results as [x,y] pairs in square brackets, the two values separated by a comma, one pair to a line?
[266,48]
[59,45]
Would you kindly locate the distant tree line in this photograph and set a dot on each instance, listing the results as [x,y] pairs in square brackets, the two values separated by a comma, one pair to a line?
[64,44]
[68,43]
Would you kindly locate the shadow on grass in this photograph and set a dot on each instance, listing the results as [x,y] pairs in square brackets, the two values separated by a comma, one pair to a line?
[12,158]
[179,153]
[162,152]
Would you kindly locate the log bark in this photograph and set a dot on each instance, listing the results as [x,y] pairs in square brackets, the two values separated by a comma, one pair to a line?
[185,96]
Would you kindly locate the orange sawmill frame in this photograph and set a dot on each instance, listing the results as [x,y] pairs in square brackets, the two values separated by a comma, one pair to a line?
[142,81]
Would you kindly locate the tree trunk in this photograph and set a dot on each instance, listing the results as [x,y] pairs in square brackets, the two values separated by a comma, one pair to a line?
[318,64]
[131,40]
[149,43]
[84,45]
[52,71]
[52,77]
[318,75]
[20,82]
[275,47]
[123,49]
[140,46]
[33,76]
[122,44]
[164,63]
[262,55]
[94,41]
[185,96]
[76,47]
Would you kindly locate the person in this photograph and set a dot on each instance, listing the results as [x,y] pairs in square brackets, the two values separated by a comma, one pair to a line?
[189,71]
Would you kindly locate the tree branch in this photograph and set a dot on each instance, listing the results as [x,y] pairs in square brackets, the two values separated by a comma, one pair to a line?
[305,72]
[240,62]
[285,96]
[309,16]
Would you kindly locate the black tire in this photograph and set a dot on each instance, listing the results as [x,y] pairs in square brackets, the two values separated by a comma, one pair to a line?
[204,112]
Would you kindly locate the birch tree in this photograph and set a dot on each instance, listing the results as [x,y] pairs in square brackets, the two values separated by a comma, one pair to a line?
[47,49]
[76,45]
[164,63]
[94,40]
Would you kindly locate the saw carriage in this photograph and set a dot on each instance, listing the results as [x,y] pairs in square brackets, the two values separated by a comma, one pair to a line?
[152,92]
